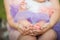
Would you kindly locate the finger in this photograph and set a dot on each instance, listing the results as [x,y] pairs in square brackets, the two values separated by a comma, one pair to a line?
[37,31]
[26,32]
[32,34]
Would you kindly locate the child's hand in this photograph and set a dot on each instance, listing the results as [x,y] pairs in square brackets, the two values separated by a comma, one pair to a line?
[38,27]
[35,29]
[24,25]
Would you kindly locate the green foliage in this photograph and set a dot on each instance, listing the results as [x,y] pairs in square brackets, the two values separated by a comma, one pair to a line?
[2,10]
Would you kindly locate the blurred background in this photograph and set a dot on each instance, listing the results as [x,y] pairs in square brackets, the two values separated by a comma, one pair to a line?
[3,21]
[3,29]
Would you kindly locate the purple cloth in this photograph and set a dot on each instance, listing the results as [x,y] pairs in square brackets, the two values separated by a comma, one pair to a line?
[57,29]
[14,10]
[32,17]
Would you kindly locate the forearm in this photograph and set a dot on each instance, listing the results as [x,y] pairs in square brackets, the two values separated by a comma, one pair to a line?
[54,19]
[11,22]
[8,14]
[55,16]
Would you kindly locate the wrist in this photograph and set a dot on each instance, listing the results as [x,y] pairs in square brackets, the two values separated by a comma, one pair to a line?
[45,25]
[20,28]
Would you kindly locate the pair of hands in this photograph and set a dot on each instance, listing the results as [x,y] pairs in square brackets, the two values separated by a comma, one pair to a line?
[28,29]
